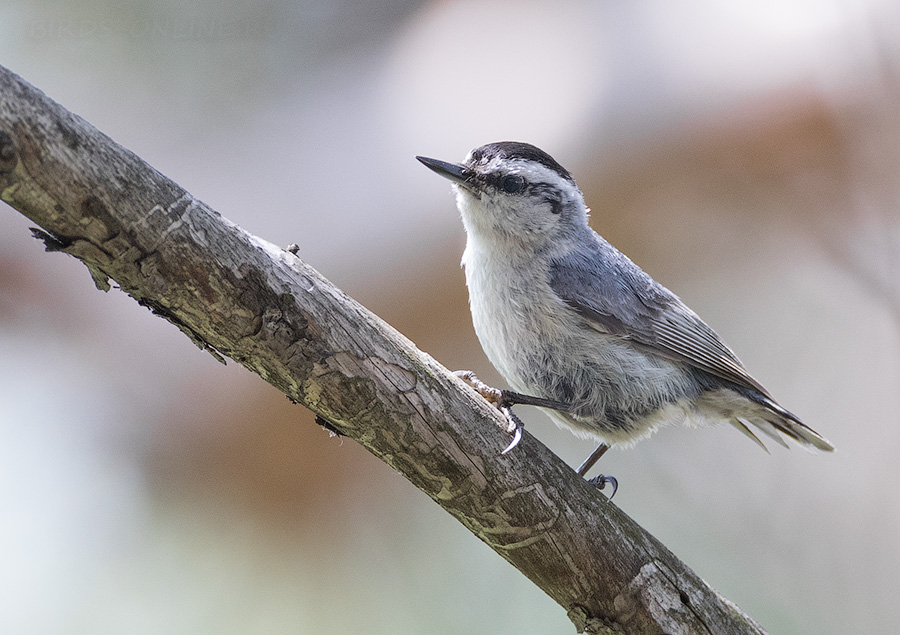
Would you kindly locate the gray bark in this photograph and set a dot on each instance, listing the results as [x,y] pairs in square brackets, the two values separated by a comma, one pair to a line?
[239,296]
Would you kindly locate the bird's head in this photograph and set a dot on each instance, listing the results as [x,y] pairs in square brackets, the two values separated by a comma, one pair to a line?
[510,192]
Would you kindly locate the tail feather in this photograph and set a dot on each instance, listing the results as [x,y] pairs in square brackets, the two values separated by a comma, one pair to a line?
[777,420]
[768,428]
[797,430]
[741,424]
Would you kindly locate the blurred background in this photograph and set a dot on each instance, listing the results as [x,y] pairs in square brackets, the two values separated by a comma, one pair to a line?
[744,153]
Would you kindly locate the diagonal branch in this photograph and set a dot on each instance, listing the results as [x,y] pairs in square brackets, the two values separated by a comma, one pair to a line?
[241,297]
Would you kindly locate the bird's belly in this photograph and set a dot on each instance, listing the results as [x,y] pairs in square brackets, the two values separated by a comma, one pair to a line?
[616,390]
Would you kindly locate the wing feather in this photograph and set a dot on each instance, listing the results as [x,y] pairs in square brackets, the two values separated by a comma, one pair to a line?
[623,300]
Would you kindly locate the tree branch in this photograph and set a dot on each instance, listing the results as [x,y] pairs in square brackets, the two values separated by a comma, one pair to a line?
[239,296]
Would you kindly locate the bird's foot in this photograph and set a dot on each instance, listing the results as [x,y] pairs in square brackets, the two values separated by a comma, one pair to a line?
[601,480]
[500,399]
[492,395]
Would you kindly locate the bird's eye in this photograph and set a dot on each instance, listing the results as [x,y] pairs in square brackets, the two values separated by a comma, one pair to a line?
[513,184]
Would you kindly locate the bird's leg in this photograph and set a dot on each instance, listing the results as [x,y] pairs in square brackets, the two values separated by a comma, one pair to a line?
[500,398]
[504,400]
[600,480]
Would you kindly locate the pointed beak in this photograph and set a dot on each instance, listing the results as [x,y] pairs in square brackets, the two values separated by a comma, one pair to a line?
[458,174]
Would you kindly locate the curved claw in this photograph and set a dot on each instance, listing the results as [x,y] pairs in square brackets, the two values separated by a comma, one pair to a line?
[518,426]
[601,480]
[517,436]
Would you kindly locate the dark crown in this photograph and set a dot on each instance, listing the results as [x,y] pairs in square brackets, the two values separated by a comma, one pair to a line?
[519,150]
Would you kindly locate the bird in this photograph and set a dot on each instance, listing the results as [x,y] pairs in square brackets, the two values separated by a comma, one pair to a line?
[577,328]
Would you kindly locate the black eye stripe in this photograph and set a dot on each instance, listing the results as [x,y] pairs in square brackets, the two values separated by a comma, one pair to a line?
[515,184]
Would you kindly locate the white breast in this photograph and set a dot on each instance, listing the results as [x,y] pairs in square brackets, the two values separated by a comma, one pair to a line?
[511,304]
